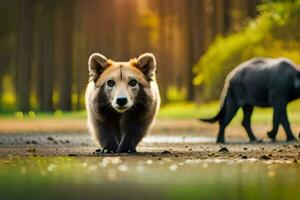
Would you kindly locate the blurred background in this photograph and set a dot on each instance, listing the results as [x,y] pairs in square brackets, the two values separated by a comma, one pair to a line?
[45,151]
[45,45]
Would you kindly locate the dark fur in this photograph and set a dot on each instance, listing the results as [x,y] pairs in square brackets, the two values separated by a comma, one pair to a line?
[259,82]
[121,132]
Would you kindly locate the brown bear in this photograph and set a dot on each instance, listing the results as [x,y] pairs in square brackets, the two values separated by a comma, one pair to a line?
[122,100]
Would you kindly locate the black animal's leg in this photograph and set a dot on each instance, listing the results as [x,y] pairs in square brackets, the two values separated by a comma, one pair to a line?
[108,138]
[280,116]
[276,121]
[248,110]
[231,108]
[286,125]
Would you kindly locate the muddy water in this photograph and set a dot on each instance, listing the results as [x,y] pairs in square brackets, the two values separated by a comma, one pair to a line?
[147,178]
[79,138]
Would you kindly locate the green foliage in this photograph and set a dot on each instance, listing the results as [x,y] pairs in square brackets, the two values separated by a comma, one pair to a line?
[274,33]
[175,94]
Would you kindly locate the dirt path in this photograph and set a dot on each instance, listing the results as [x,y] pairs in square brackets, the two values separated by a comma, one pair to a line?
[168,138]
[185,145]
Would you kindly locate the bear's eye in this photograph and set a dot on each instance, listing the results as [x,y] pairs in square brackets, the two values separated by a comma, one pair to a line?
[110,83]
[132,82]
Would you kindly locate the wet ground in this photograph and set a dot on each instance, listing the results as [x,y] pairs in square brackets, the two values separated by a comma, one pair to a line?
[157,145]
[171,164]
[146,178]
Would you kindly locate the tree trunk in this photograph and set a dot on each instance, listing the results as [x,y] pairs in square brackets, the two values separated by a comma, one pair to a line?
[226,19]
[80,51]
[162,75]
[252,11]
[219,16]
[47,56]
[190,39]
[25,37]
[66,56]
[196,40]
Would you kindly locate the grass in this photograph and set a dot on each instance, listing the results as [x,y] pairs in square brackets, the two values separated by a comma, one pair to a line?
[183,110]
[193,111]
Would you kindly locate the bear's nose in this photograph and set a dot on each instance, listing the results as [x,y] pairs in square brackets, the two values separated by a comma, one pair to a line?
[122,101]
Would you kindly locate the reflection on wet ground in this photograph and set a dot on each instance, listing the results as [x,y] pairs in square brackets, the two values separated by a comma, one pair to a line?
[179,166]
[152,177]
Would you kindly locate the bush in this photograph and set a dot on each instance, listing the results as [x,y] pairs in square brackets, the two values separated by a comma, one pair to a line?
[274,33]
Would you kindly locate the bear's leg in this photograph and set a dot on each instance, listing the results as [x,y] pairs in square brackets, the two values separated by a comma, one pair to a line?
[108,138]
[128,145]
[132,135]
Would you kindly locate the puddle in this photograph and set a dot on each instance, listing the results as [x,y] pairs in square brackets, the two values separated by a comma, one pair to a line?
[177,139]
[51,139]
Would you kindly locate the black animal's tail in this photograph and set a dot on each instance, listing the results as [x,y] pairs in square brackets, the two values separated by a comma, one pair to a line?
[217,117]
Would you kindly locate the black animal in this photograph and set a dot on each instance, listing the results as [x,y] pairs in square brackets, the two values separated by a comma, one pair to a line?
[261,82]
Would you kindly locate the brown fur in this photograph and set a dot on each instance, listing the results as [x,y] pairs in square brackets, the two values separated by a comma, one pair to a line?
[115,129]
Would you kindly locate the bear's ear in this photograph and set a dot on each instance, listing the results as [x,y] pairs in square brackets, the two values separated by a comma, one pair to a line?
[97,64]
[147,64]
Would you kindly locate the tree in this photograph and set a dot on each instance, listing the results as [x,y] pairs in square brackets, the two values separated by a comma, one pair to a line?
[8,12]
[46,55]
[23,72]
[66,54]
[163,58]
[196,39]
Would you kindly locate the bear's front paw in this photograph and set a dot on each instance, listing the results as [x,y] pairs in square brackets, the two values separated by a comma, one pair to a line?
[109,149]
[126,149]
